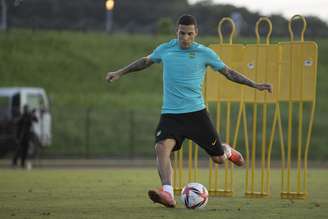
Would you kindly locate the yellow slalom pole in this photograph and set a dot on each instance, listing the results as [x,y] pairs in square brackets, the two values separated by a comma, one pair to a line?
[196,163]
[232,32]
[218,122]
[253,147]
[291,33]
[227,140]
[247,150]
[290,123]
[264,114]
[236,135]
[309,135]
[267,39]
[289,144]
[309,130]
[175,161]
[190,160]
[254,134]
[235,138]
[180,168]
[300,134]
[264,124]
[299,148]
[282,149]
[280,130]
[216,171]
[307,145]
[210,186]
[273,131]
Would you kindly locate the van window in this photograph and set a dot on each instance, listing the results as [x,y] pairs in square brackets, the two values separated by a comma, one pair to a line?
[4,107]
[35,101]
[15,105]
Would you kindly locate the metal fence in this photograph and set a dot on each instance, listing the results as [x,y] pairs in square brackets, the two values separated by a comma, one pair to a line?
[95,132]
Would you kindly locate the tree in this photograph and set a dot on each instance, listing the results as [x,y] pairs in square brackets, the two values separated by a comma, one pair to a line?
[165,26]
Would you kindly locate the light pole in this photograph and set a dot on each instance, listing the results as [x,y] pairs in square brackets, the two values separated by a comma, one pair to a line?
[109,14]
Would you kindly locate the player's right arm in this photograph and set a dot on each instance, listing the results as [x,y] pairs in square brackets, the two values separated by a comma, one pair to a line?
[137,65]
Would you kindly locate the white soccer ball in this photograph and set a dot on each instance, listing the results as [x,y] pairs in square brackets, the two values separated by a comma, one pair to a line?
[194,195]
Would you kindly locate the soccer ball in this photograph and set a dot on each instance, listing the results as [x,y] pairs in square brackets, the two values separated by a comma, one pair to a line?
[194,195]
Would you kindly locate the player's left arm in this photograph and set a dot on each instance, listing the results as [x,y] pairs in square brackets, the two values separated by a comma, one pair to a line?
[237,77]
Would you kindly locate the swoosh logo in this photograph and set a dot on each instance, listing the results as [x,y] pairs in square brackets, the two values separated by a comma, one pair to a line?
[214,142]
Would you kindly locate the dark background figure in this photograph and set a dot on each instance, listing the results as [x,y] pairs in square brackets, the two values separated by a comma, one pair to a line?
[24,135]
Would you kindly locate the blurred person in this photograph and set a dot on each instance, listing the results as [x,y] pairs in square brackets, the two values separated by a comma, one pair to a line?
[184,113]
[24,135]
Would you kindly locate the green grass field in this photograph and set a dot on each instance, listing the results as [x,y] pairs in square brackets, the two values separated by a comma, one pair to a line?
[122,193]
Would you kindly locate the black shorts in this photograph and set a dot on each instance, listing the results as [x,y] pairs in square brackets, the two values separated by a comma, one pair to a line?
[196,126]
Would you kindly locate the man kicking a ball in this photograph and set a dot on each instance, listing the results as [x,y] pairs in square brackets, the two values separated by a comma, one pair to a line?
[184,114]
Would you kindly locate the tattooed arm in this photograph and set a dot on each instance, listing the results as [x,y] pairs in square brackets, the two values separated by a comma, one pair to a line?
[237,77]
[137,65]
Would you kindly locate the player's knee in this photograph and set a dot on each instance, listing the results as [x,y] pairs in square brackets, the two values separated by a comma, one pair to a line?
[159,147]
[218,159]
[164,146]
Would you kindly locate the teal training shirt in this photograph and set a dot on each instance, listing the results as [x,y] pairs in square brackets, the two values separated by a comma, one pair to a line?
[183,75]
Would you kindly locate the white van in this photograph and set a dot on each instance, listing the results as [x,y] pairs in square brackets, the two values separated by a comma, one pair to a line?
[12,101]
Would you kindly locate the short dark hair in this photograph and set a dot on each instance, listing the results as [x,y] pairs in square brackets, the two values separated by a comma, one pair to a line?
[187,19]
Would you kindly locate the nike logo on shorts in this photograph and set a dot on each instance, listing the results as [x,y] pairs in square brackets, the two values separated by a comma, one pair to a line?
[214,142]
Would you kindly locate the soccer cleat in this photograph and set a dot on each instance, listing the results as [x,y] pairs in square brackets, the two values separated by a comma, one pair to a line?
[162,197]
[233,155]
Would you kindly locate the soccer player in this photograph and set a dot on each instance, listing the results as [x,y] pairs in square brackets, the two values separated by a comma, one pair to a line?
[183,113]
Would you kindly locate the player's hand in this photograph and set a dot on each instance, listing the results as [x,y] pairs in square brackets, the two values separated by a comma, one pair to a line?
[112,76]
[264,86]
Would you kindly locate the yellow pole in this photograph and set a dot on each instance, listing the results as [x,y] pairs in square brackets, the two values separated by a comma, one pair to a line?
[220,28]
[267,40]
[216,171]
[180,168]
[273,130]
[289,144]
[253,147]
[299,148]
[226,185]
[254,130]
[196,164]
[300,134]
[247,149]
[309,133]
[281,138]
[307,145]
[210,186]
[264,124]
[295,17]
[175,161]
[264,115]
[218,122]
[282,149]
[290,121]
[235,138]
[190,160]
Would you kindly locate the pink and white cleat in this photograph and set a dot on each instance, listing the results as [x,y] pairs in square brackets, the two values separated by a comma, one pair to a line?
[233,155]
[162,197]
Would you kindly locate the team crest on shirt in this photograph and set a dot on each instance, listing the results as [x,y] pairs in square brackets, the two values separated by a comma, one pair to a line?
[192,55]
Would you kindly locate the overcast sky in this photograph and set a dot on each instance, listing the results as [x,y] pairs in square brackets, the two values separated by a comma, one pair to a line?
[287,8]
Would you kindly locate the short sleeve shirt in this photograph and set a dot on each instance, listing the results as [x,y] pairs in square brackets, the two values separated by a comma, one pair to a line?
[183,75]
